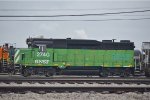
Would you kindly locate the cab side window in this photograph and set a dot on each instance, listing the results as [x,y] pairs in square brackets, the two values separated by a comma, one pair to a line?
[42,48]
[23,56]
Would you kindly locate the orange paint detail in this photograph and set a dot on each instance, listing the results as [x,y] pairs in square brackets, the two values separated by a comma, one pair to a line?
[0,53]
[4,54]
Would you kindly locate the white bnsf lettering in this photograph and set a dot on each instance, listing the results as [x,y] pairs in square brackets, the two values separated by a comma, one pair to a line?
[43,54]
[41,61]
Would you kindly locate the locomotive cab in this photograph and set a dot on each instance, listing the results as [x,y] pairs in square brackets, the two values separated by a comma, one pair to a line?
[34,60]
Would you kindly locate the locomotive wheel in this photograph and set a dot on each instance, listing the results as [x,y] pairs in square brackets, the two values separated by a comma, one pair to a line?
[147,72]
[26,73]
[105,73]
[125,73]
[50,73]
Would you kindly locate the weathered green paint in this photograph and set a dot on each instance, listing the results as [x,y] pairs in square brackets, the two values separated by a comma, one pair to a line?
[74,57]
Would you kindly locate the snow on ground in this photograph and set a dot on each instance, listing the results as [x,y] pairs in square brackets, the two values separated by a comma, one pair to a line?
[75,96]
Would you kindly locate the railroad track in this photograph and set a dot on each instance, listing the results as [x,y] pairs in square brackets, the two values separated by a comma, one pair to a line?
[46,89]
[71,84]
[109,80]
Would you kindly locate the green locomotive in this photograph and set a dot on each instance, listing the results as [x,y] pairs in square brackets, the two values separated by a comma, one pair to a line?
[75,56]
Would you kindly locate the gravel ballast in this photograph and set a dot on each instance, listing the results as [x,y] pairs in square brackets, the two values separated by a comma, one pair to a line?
[75,96]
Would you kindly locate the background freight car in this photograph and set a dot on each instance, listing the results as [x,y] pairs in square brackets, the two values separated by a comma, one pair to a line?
[6,58]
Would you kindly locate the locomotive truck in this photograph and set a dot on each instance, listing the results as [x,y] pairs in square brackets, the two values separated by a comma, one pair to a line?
[76,57]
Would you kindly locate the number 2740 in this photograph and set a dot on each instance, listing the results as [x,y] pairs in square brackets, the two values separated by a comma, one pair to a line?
[44,54]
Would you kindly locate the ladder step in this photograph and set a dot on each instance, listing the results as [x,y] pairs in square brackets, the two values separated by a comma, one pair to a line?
[136,71]
[4,63]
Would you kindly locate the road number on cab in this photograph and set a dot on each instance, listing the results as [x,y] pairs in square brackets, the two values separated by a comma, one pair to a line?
[43,54]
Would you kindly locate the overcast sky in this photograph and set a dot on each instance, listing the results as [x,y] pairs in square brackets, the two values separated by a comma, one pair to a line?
[106,28]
